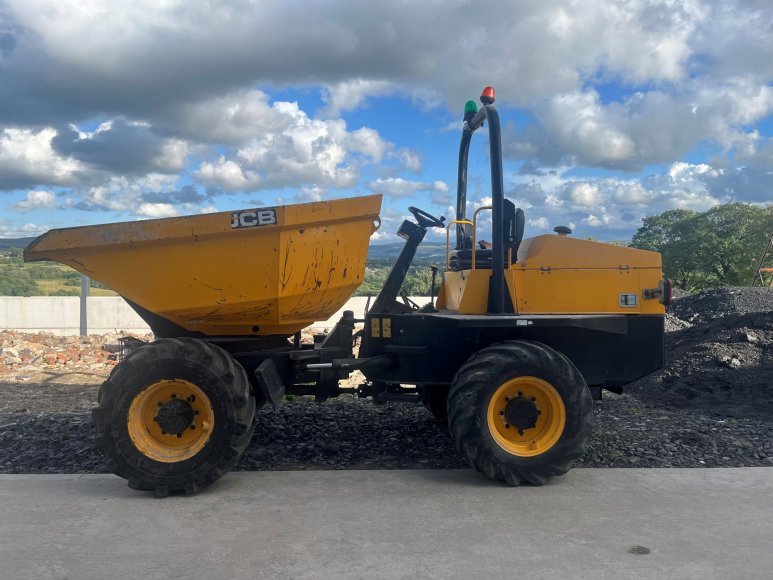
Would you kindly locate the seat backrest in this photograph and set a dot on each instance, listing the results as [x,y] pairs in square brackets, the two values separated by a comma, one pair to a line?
[515,222]
[520,226]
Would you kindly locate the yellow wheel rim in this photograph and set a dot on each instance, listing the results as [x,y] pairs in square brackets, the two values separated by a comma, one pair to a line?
[171,420]
[526,416]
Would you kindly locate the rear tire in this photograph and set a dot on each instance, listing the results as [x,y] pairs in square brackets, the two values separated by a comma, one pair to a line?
[520,412]
[175,416]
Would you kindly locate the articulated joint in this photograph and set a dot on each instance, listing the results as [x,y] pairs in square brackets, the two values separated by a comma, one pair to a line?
[350,364]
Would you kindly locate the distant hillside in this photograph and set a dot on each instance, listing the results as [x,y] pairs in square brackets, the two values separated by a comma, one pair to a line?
[428,252]
[15,242]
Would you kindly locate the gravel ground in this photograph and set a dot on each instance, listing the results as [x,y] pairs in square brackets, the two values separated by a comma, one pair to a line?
[355,434]
[702,410]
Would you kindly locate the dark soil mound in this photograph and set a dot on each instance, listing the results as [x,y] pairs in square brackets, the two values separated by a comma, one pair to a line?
[719,302]
[723,362]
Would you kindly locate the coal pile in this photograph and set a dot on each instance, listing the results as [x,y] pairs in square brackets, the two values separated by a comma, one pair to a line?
[719,355]
[720,302]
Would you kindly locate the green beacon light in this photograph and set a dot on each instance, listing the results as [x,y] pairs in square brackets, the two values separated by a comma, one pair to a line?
[470,108]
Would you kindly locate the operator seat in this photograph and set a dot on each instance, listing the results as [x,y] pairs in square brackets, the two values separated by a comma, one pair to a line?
[515,221]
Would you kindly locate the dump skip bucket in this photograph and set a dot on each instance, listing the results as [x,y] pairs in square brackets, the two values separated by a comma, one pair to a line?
[258,272]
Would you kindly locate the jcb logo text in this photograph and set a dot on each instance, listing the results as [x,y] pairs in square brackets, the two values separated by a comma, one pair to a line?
[252,218]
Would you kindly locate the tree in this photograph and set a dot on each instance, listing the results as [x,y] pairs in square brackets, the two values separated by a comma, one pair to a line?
[16,282]
[418,280]
[660,231]
[718,247]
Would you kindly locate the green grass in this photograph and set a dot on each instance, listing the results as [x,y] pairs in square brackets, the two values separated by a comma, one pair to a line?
[18,278]
[52,286]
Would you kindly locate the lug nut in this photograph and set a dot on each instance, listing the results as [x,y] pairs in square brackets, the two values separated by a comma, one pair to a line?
[195,412]
[507,425]
[174,396]
[520,431]
[520,393]
[533,399]
[507,398]
[179,435]
[502,413]
[193,426]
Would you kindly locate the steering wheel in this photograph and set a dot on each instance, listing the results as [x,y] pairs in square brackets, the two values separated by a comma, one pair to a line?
[426,220]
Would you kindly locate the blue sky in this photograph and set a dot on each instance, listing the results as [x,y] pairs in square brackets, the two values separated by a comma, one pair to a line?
[116,111]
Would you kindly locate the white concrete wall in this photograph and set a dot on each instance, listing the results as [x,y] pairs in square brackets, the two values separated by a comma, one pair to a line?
[106,314]
[61,315]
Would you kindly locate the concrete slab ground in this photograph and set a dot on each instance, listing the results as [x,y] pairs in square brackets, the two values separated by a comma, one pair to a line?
[591,523]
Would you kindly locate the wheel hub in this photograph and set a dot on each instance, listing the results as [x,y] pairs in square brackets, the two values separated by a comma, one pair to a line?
[526,416]
[170,420]
[174,416]
[522,413]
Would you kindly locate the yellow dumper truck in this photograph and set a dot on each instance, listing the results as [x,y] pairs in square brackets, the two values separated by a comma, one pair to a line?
[522,336]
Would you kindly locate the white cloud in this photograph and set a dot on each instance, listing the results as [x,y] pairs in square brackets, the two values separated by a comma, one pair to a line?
[409,159]
[11,230]
[310,152]
[352,94]
[153,195]
[399,187]
[540,223]
[226,174]
[613,206]
[631,192]
[307,194]
[585,194]
[173,158]
[368,142]
[37,199]
[156,210]
[231,119]
[643,128]
[597,221]
[28,159]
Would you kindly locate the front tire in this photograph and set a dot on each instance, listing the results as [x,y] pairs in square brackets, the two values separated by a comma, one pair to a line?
[520,412]
[174,416]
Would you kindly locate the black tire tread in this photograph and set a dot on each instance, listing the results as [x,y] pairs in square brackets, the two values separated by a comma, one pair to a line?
[110,439]
[485,371]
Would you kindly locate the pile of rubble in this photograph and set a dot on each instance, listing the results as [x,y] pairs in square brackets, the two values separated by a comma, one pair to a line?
[23,356]
[43,357]
[719,354]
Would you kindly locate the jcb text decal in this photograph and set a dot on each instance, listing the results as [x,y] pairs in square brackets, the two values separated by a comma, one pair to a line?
[252,218]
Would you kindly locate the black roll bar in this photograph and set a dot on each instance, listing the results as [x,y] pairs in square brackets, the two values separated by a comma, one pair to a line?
[463,239]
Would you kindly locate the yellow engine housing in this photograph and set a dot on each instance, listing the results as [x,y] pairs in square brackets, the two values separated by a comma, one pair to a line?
[563,275]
